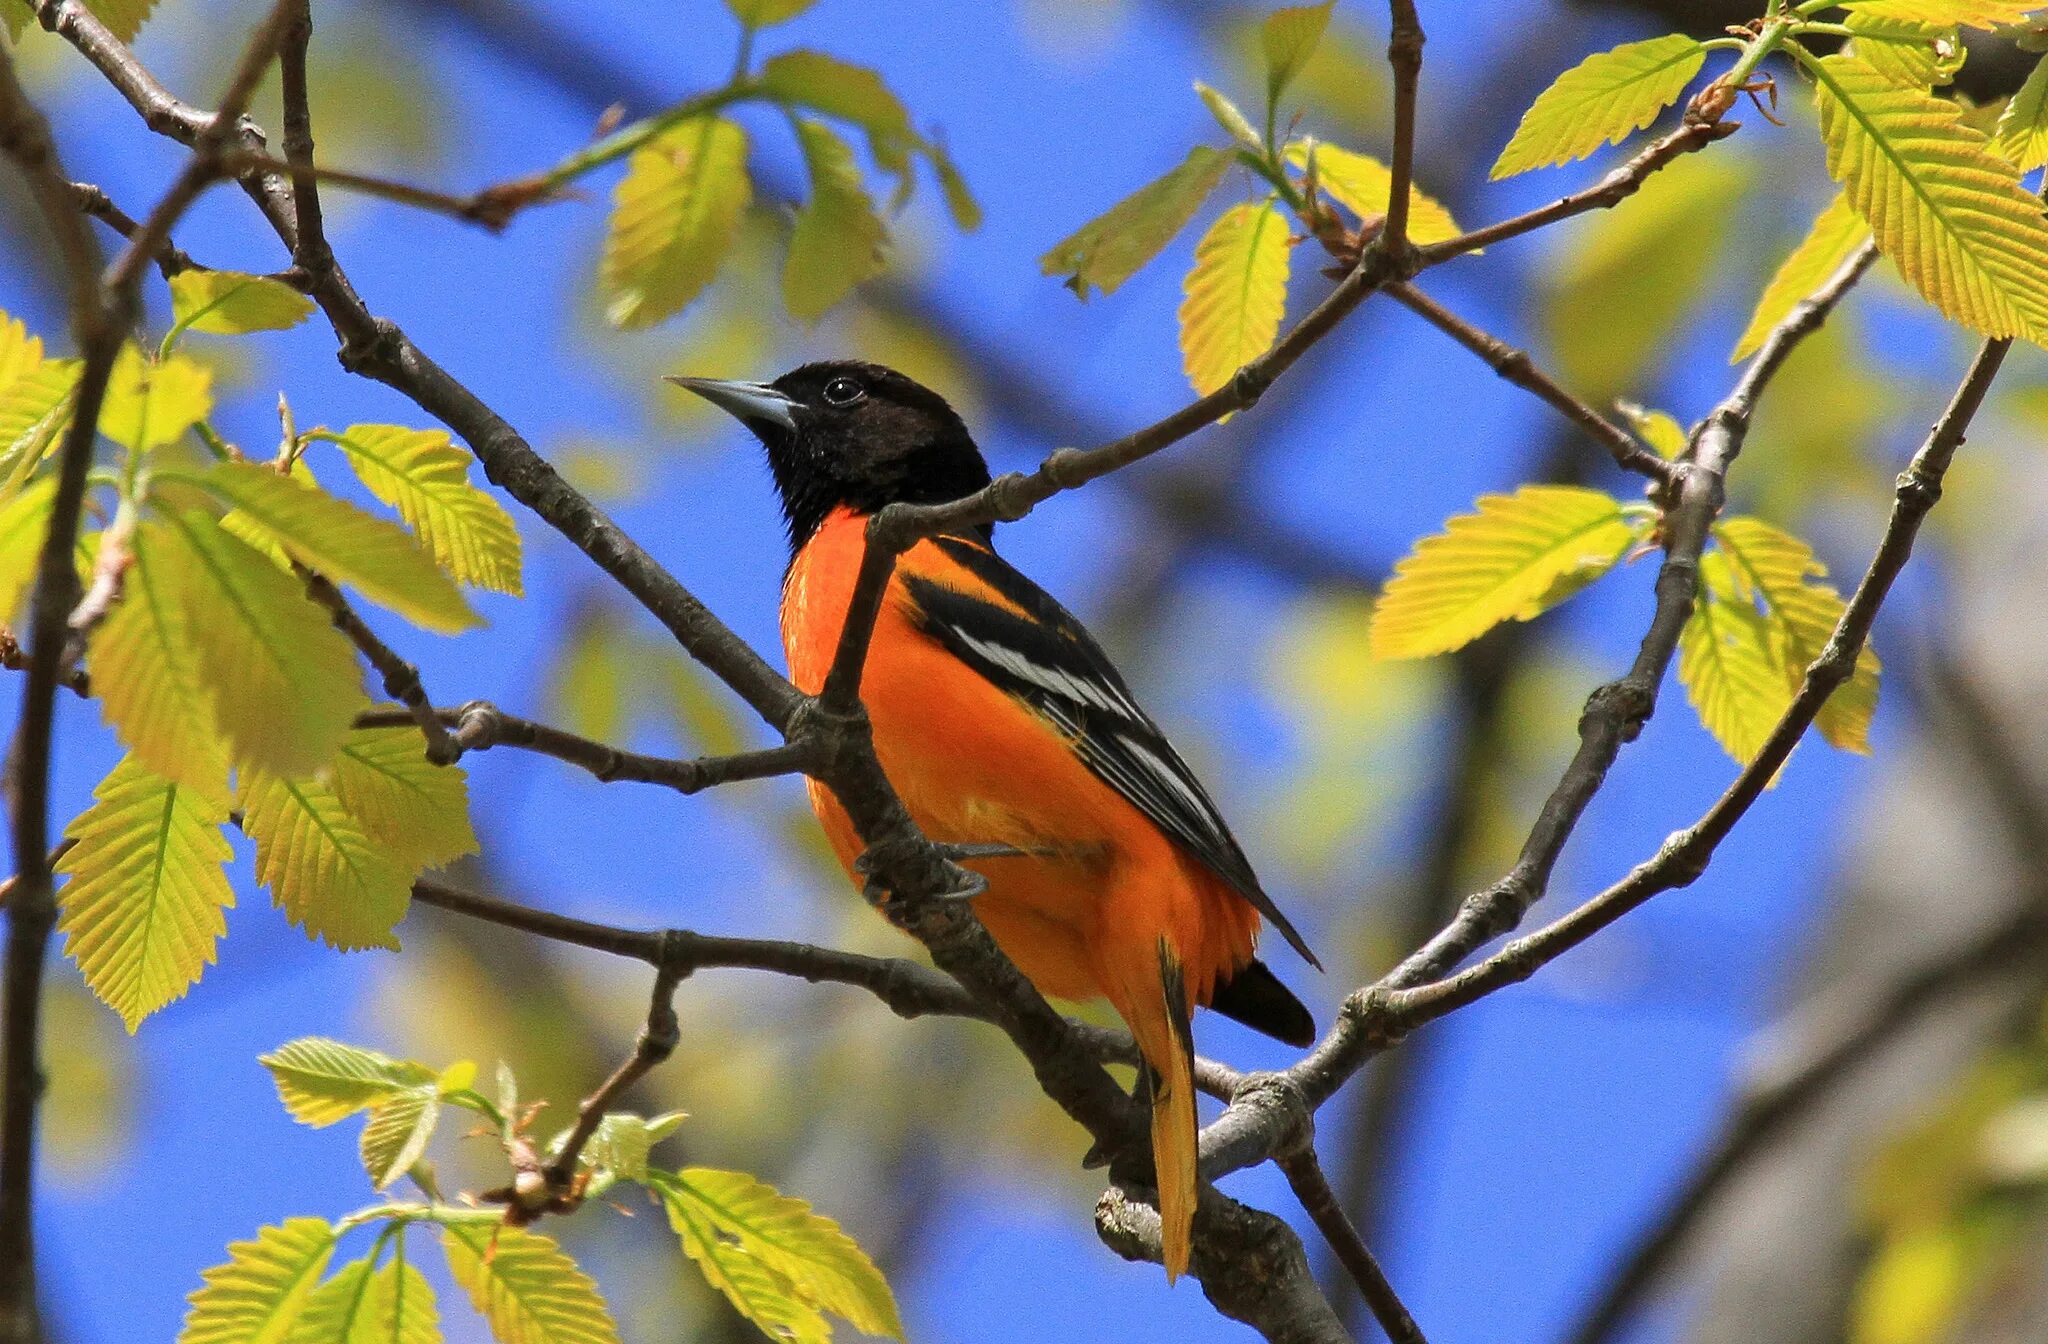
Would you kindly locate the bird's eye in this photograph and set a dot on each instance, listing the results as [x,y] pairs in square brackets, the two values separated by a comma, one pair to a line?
[843,392]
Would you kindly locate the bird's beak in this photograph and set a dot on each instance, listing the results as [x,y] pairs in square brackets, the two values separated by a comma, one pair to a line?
[746,402]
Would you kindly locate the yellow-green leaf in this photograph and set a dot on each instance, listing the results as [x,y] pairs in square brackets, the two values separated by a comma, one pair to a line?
[1516,557]
[1236,294]
[960,202]
[838,239]
[231,303]
[1363,185]
[1600,101]
[1729,665]
[321,1081]
[124,18]
[674,217]
[1784,571]
[416,810]
[1833,239]
[142,911]
[526,1287]
[339,540]
[1914,1286]
[259,1293]
[398,1131]
[146,668]
[322,869]
[24,523]
[1950,214]
[35,407]
[763,13]
[423,475]
[622,1141]
[1110,248]
[2022,135]
[1968,13]
[850,92]
[1907,51]
[1288,38]
[151,403]
[393,1305]
[1230,117]
[1659,429]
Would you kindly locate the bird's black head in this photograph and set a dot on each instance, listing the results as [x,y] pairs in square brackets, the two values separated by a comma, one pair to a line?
[846,433]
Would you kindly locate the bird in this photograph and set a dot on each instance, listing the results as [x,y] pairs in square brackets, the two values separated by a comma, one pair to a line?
[1004,727]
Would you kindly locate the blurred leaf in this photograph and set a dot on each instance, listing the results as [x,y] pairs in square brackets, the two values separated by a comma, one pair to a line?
[585,686]
[838,239]
[1363,185]
[764,13]
[142,911]
[423,475]
[1236,294]
[1515,558]
[89,1110]
[398,1132]
[1732,672]
[1907,51]
[1972,13]
[2022,136]
[1911,1288]
[1659,429]
[529,1290]
[24,524]
[256,1296]
[322,869]
[1289,37]
[1600,101]
[1953,217]
[849,92]
[321,1081]
[1828,245]
[1830,404]
[407,126]
[1233,121]
[674,217]
[1110,249]
[231,303]
[151,403]
[416,810]
[960,202]
[35,407]
[621,1142]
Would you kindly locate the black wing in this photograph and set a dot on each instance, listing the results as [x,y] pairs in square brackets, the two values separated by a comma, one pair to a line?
[1050,662]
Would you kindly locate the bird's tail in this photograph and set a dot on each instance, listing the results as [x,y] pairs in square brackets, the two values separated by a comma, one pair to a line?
[1156,1005]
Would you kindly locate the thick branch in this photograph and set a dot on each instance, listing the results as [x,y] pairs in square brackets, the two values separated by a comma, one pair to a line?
[1404,56]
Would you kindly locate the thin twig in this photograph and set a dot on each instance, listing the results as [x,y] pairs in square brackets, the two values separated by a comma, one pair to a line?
[401,679]
[1305,1177]
[94,201]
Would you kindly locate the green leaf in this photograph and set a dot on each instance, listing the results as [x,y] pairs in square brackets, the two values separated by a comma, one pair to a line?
[1659,429]
[526,1287]
[392,1305]
[418,812]
[1968,13]
[1732,670]
[1783,570]
[231,303]
[321,1081]
[1236,294]
[1516,557]
[622,1141]
[24,523]
[674,217]
[423,475]
[838,239]
[1233,121]
[1363,185]
[1600,101]
[35,408]
[766,13]
[723,1216]
[284,682]
[146,670]
[398,1132]
[960,202]
[1907,51]
[1832,240]
[142,911]
[1951,215]
[150,403]
[1109,249]
[1288,38]
[256,1296]
[340,541]
[2022,135]
[322,869]
[853,93]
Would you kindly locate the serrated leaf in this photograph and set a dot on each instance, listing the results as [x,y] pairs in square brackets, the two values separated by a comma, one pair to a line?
[145,668]
[783,1234]
[854,93]
[35,408]
[1731,669]
[1236,294]
[674,217]
[1784,571]
[233,303]
[2022,135]
[123,17]
[284,683]
[529,1290]
[322,869]
[392,1305]
[1110,248]
[24,523]
[425,476]
[257,1295]
[1364,186]
[1288,38]
[838,239]
[1968,13]
[328,534]
[150,403]
[1907,51]
[1600,101]
[764,13]
[142,911]
[1951,215]
[1832,240]
[321,1081]
[622,1141]
[398,1132]
[416,810]
[1516,557]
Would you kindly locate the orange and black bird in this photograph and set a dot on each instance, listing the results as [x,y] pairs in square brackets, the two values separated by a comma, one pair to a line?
[1000,721]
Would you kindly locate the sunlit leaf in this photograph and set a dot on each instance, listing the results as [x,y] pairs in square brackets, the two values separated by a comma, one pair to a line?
[256,1296]
[674,217]
[1232,119]
[321,1081]
[322,869]
[2022,135]
[1907,51]
[763,13]
[526,1287]
[35,407]
[1832,240]
[150,403]
[1516,557]
[1731,671]
[425,476]
[1363,185]
[24,524]
[392,1305]
[836,88]
[622,1141]
[1969,13]
[839,238]
[1110,249]
[416,810]
[1600,101]
[1288,38]
[1659,429]
[1236,294]
[398,1132]
[1911,1289]
[232,303]
[142,911]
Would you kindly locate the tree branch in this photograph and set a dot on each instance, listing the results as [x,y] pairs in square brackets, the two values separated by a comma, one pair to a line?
[1404,56]
[1305,1177]
[401,679]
